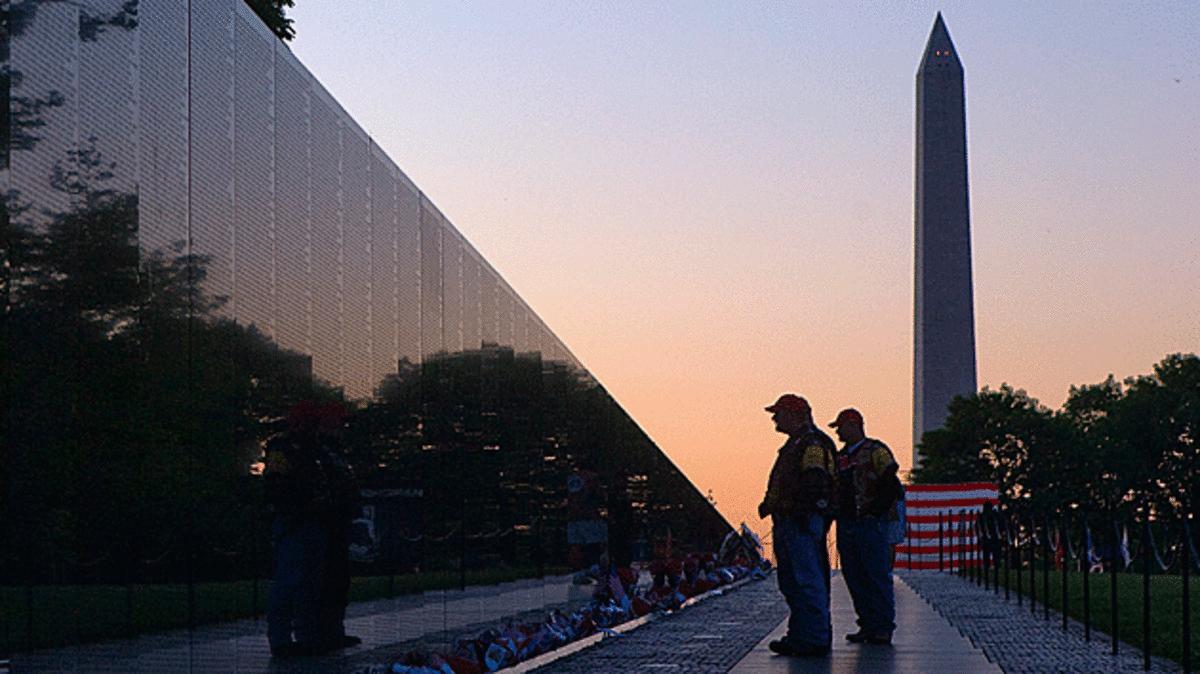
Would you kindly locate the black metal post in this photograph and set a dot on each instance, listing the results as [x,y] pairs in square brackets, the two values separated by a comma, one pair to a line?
[977,544]
[969,545]
[1187,605]
[1087,573]
[963,546]
[1147,553]
[981,542]
[953,543]
[1020,569]
[1112,577]
[1033,567]
[975,566]
[1007,549]
[968,535]
[998,545]
[966,543]
[130,629]
[941,550]
[255,563]
[1063,533]
[1047,562]
[908,540]
[29,640]
[981,559]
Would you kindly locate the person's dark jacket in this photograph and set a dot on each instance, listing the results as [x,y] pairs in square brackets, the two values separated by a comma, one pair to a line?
[802,479]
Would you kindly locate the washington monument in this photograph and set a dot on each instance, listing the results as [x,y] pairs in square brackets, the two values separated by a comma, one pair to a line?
[944,313]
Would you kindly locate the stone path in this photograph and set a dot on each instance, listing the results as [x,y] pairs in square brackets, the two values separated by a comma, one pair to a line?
[1017,640]
[710,636]
[241,646]
[946,624]
[924,642]
[731,632]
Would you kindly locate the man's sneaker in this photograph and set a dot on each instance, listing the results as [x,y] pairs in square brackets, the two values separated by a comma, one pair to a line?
[784,647]
[879,639]
[857,637]
[780,646]
[285,650]
[296,650]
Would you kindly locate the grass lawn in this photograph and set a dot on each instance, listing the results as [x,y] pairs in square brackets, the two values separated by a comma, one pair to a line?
[1166,607]
[73,614]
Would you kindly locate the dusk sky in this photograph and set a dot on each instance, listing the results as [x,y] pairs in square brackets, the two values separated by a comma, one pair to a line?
[712,203]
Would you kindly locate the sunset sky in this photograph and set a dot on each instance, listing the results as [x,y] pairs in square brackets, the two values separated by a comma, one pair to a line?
[712,203]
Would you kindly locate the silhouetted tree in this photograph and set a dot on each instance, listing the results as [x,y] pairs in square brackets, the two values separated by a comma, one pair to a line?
[1112,447]
[133,409]
[274,14]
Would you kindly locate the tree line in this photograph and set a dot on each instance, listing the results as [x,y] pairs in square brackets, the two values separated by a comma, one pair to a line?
[134,412]
[1115,446]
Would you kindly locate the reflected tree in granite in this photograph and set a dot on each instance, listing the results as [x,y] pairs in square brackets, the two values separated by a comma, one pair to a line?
[133,410]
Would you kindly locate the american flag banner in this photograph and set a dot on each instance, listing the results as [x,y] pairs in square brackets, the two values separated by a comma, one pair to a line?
[955,506]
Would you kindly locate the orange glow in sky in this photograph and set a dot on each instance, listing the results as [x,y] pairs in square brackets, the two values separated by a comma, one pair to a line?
[712,204]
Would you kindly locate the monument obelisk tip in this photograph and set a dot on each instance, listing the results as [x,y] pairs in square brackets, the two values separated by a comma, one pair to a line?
[944,313]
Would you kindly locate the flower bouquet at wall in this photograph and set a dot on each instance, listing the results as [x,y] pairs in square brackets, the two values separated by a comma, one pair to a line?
[622,594]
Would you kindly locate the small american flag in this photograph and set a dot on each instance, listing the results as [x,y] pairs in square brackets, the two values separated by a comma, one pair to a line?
[618,590]
[924,504]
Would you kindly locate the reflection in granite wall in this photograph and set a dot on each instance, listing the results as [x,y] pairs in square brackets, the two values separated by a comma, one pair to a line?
[196,239]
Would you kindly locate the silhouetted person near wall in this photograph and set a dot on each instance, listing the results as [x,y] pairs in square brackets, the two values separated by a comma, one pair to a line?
[344,507]
[296,493]
[314,497]
[868,490]
[800,500]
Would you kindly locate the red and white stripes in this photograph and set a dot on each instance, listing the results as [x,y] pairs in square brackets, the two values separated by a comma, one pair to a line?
[955,506]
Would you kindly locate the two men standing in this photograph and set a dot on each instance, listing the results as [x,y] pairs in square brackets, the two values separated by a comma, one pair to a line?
[810,484]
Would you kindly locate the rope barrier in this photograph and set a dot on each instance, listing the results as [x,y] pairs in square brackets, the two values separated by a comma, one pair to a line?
[1187,535]
[1154,548]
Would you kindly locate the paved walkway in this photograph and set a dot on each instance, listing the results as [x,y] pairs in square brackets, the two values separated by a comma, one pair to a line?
[731,632]
[384,625]
[710,636]
[1018,640]
[924,642]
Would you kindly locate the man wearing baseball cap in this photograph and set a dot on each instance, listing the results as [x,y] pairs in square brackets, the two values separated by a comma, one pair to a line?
[868,491]
[800,500]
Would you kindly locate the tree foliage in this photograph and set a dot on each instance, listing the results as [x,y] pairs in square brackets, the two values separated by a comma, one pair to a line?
[131,406]
[135,411]
[274,14]
[1113,445]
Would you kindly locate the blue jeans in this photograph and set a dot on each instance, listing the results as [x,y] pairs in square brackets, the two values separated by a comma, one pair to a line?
[804,578]
[294,603]
[866,565]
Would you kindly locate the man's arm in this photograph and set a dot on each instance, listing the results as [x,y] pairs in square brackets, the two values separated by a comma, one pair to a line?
[887,492]
[887,488]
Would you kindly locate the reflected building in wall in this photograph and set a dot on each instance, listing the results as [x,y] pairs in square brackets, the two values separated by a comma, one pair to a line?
[197,236]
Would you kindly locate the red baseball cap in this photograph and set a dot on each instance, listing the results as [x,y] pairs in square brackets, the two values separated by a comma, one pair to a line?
[847,416]
[789,401]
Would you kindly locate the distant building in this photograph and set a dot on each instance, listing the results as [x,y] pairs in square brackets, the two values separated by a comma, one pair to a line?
[943,314]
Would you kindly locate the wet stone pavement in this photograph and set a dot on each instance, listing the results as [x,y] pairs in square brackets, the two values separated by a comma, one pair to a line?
[710,636]
[1016,639]
[730,634]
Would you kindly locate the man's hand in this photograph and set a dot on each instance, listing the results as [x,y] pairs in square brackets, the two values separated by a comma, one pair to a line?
[762,510]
